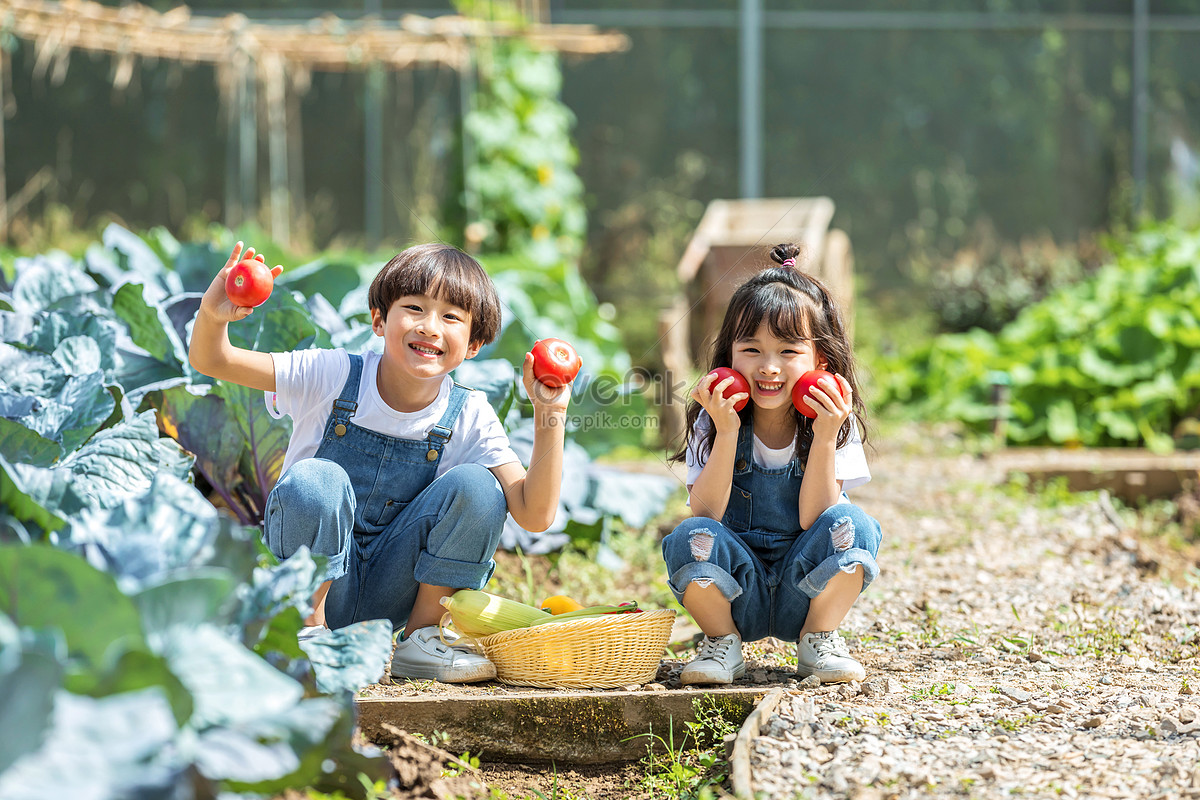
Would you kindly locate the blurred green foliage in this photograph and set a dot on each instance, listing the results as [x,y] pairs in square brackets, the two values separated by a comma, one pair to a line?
[522,193]
[1111,360]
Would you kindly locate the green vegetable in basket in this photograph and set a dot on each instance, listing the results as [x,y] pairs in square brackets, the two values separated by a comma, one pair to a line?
[590,611]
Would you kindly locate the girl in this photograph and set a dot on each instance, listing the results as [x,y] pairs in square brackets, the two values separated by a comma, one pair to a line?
[790,554]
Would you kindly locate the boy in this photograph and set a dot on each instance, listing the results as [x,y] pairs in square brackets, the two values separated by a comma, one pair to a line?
[396,473]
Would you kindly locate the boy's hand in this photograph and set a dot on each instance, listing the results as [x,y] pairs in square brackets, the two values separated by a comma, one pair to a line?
[834,405]
[543,397]
[708,393]
[216,303]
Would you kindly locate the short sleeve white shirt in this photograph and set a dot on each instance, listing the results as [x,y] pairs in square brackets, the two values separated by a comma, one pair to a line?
[849,460]
[308,381]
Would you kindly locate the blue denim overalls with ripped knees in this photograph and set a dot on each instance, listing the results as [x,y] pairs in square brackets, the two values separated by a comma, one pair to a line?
[409,526]
[757,555]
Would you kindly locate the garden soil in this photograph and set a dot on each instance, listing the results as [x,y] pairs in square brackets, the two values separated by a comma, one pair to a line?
[1016,642]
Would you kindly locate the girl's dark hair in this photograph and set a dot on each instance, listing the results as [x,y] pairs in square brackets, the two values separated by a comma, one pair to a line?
[795,305]
[445,272]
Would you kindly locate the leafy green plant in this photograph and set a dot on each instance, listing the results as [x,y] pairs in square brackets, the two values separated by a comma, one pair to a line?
[144,635]
[1113,360]
[522,190]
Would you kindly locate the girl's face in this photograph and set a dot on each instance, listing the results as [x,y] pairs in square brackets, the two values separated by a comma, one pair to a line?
[772,366]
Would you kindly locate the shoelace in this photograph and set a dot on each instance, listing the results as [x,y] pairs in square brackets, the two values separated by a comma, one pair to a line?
[834,645]
[715,648]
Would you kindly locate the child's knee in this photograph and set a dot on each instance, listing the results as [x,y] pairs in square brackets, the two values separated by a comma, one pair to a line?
[473,488]
[692,540]
[312,486]
[849,528]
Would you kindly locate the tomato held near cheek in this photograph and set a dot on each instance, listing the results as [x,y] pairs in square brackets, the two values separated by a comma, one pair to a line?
[249,283]
[555,363]
[739,386]
[802,387]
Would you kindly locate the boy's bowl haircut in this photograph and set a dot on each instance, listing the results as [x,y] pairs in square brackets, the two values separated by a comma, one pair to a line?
[442,271]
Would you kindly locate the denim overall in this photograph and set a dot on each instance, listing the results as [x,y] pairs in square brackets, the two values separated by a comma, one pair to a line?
[757,555]
[409,526]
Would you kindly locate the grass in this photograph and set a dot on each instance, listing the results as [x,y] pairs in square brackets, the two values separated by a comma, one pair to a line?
[1016,723]
[934,691]
[696,767]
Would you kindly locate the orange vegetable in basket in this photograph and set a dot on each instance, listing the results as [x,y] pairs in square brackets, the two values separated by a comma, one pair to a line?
[560,604]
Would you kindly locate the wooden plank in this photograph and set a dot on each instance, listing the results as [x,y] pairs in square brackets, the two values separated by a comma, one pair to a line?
[1133,475]
[740,774]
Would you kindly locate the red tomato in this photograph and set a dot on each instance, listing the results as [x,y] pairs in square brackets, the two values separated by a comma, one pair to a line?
[555,363]
[806,382]
[249,283]
[739,385]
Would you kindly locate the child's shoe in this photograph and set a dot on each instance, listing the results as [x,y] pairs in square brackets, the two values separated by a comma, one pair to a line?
[423,656]
[310,632]
[719,661]
[825,655]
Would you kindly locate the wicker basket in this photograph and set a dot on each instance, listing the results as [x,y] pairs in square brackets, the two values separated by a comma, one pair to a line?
[604,652]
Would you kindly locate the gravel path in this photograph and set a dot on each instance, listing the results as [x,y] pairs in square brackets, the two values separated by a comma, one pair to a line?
[1013,646]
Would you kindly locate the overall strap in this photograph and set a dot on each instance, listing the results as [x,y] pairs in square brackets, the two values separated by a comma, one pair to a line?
[347,402]
[441,433]
[744,457]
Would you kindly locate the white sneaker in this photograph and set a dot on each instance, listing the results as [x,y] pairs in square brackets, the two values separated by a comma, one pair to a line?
[310,632]
[719,661]
[423,656]
[825,655]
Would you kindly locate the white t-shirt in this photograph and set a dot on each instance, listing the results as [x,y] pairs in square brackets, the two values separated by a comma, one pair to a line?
[849,460]
[308,381]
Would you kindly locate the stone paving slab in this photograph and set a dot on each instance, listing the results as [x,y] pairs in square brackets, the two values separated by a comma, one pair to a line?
[567,727]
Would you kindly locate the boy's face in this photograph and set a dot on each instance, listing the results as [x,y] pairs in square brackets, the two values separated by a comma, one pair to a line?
[424,336]
[772,365]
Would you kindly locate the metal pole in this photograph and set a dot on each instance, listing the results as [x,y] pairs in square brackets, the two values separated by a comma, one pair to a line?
[1141,100]
[233,204]
[277,144]
[750,119]
[248,145]
[373,156]
[3,183]
[466,98]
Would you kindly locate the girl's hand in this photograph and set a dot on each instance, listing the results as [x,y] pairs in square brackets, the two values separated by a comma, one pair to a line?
[833,401]
[720,409]
[543,397]
[216,303]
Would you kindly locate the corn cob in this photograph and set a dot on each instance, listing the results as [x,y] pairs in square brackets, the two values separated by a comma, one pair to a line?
[478,613]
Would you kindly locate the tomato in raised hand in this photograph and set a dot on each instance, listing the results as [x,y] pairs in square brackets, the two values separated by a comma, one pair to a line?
[249,283]
[555,363]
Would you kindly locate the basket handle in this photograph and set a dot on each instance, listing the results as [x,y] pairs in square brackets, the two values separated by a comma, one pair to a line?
[463,639]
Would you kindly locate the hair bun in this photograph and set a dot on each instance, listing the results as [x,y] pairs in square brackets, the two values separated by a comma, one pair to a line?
[782,253]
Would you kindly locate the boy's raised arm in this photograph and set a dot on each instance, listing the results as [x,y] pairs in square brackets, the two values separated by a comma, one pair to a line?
[533,496]
[210,351]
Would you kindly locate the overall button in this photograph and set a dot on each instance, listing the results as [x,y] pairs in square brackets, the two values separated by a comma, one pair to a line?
[431,455]
[740,465]
[339,429]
